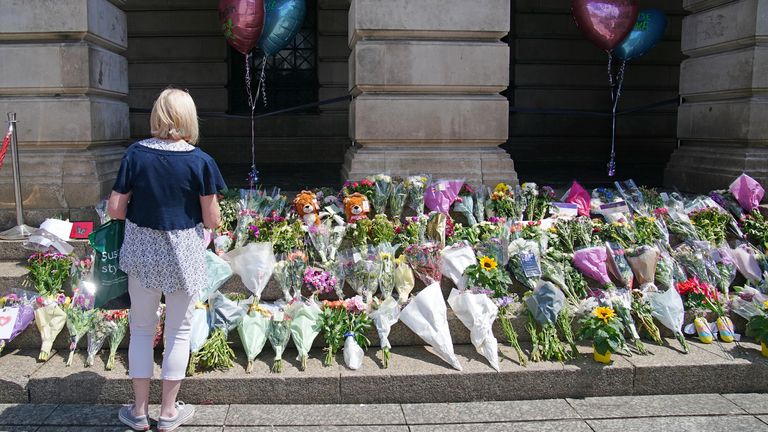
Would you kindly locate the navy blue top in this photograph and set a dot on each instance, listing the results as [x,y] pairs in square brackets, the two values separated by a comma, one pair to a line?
[167,186]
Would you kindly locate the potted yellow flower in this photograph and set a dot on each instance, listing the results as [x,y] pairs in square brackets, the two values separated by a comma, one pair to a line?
[757,327]
[605,330]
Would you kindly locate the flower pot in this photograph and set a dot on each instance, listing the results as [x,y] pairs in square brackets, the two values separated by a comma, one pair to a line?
[764,349]
[602,358]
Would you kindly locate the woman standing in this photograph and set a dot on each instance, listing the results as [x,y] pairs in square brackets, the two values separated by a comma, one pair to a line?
[166,191]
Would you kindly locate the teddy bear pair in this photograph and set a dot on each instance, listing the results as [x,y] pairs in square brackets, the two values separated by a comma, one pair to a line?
[356,207]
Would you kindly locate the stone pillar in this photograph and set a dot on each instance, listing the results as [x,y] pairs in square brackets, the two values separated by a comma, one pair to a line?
[63,71]
[723,124]
[427,76]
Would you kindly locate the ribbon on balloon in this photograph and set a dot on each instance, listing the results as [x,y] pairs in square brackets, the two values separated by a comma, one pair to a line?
[623,30]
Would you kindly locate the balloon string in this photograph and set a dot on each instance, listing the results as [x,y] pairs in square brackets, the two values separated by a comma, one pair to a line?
[253,173]
[610,73]
[263,82]
[615,95]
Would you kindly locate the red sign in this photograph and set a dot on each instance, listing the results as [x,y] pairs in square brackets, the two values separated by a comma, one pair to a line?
[80,230]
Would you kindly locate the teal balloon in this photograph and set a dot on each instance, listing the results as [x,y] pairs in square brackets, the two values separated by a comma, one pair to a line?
[284,19]
[648,31]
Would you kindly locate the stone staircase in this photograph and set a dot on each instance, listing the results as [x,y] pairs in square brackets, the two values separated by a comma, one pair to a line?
[415,373]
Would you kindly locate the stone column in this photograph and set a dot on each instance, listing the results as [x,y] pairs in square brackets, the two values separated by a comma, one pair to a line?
[723,124]
[427,76]
[63,71]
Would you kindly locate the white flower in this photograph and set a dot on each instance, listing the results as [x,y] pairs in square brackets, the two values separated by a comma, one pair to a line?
[531,187]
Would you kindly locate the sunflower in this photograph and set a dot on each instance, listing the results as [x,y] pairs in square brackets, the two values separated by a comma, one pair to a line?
[604,313]
[488,263]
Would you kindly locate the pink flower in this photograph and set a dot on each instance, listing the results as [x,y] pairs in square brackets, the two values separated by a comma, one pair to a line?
[355,304]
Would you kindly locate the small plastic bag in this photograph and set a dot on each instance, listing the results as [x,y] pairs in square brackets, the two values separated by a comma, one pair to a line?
[478,312]
[353,353]
[455,259]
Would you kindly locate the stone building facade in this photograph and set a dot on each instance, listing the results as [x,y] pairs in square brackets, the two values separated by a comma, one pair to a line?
[432,82]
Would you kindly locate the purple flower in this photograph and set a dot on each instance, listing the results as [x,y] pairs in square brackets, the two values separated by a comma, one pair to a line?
[504,302]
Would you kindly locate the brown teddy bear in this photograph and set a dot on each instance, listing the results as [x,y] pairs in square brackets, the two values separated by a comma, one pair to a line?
[307,207]
[356,207]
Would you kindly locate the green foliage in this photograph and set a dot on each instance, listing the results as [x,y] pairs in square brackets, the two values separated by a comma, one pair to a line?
[757,327]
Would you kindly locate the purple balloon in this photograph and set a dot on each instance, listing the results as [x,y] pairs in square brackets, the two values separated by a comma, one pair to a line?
[605,23]
[242,22]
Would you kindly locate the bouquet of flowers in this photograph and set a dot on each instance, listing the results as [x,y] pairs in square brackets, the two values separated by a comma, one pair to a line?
[319,281]
[710,224]
[278,334]
[358,324]
[364,186]
[648,230]
[332,323]
[80,318]
[618,266]
[756,228]
[362,269]
[745,259]
[478,312]
[225,315]
[382,230]
[382,190]
[404,280]
[385,314]
[579,196]
[668,271]
[644,314]
[304,329]
[556,271]
[120,320]
[100,330]
[47,272]
[757,327]
[621,301]
[481,197]
[200,329]
[415,186]
[454,260]
[50,319]
[254,263]
[253,332]
[18,307]
[694,260]
[465,204]
[605,330]
[387,274]
[592,263]
[426,315]
[524,262]
[425,261]
[439,196]
[571,234]
[397,199]
[667,307]
[619,232]
[289,273]
[643,262]
[544,304]
[503,203]
[538,200]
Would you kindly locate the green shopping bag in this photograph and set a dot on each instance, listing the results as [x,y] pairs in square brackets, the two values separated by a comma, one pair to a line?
[111,282]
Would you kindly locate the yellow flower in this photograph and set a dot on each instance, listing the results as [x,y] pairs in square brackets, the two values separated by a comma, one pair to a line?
[488,263]
[385,256]
[765,305]
[501,188]
[200,305]
[604,313]
[67,301]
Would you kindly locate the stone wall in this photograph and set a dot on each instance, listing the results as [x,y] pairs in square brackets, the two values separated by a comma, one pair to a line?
[553,66]
[63,71]
[179,42]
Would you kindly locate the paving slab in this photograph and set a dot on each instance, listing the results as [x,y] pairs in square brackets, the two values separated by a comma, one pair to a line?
[585,377]
[316,385]
[654,406]
[205,415]
[488,412]
[19,428]
[538,426]
[698,424]
[752,403]
[298,415]
[121,429]
[763,419]
[668,371]
[17,367]
[83,415]
[24,414]
[391,428]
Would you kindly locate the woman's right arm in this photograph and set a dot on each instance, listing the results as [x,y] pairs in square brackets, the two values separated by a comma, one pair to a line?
[211,211]
[117,207]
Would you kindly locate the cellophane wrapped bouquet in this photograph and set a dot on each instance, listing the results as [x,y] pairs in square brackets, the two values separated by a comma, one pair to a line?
[18,306]
[47,273]
[225,315]
[289,273]
[80,317]
[120,320]
[304,316]
[101,329]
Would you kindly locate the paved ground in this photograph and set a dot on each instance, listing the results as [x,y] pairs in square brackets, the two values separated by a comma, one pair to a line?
[700,413]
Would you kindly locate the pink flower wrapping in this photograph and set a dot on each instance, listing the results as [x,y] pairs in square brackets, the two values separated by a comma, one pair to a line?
[441,195]
[592,263]
[747,192]
[579,196]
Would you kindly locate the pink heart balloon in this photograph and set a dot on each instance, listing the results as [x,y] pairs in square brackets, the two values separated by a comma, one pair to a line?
[605,23]
[242,22]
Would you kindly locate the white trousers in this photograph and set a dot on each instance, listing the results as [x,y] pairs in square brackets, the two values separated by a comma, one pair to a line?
[143,322]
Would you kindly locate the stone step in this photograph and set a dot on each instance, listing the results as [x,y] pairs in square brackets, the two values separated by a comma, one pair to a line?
[13,250]
[415,375]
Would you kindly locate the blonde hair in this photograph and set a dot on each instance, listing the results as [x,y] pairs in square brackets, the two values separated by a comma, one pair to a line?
[174,116]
